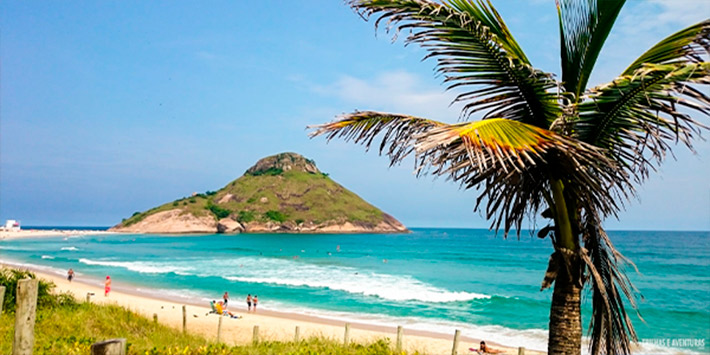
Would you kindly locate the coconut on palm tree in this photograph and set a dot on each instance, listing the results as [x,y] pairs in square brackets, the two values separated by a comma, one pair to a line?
[571,153]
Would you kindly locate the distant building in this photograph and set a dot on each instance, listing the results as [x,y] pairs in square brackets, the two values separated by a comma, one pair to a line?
[12,225]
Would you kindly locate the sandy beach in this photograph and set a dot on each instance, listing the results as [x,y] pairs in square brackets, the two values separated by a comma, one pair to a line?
[272,325]
[36,233]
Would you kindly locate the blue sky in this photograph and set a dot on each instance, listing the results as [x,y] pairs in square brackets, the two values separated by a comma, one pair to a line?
[113,107]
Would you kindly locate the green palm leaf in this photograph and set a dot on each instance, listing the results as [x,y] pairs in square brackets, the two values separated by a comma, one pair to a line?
[686,46]
[473,48]
[584,27]
[635,118]
[363,126]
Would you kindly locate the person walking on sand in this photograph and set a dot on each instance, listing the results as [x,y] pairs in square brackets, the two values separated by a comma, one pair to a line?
[249,302]
[107,286]
[70,274]
[254,301]
[225,297]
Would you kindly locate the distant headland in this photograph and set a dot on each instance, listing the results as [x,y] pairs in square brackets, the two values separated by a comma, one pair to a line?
[282,193]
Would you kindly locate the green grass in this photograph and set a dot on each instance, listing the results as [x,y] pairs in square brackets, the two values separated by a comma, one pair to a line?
[72,330]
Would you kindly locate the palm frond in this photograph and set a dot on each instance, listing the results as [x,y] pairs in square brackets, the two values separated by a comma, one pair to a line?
[636,118]
[685,46]
[610,328]
[362,127]
[584,27]
[512,163]
[475,50]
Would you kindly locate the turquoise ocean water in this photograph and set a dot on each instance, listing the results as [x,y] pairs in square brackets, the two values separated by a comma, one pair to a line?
[431,279]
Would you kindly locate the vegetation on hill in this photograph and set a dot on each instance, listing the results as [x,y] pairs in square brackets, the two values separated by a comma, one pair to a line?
[284,188]
[64,326]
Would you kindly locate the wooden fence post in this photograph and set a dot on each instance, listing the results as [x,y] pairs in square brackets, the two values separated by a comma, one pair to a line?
[184,319]
[255,336]
[521,351]
[400,332]
[455,349]
[25,312]
[155,317]
[297,335]
[88,297]
[219,329]
[347,334]
[109,347]
[2,297]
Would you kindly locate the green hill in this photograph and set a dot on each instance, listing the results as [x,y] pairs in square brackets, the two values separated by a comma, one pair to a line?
[281,193]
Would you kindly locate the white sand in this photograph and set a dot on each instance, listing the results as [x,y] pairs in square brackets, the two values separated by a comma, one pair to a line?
[36,233]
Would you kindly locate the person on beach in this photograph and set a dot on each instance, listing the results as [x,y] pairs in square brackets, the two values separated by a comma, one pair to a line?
[70,274]
[225,297]
[249,302]
[222,310]
[107,286]
[484,349]
[254,301]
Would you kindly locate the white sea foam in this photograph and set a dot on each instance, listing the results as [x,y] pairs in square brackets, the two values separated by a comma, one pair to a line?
[70,248]
[47,257]
[143,267]
[341,278]
[3,247]
[294,273]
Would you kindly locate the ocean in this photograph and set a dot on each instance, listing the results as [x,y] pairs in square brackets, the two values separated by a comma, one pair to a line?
[432,279]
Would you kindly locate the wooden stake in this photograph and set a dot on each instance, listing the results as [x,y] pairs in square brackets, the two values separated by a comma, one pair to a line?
[455,349]
[255,337]
[109,347]
[25,312]
[155,317]
[521,351]
[88,297]
[2,297]
[184,319]
[347,334]
[219,329]
[297,335]
[400,333]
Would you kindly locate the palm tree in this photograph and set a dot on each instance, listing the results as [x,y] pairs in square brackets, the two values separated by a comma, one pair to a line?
[545,146]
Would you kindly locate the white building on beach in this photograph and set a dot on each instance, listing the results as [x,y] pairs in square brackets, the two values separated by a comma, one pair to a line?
[12,225]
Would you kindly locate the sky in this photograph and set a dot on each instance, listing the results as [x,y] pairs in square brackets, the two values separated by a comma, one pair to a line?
[112,107]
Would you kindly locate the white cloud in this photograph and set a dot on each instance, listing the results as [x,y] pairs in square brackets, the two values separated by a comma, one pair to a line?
[641,25]
[649,17]
[398,91]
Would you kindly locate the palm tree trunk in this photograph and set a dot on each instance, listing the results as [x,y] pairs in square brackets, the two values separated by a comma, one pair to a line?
[565,315]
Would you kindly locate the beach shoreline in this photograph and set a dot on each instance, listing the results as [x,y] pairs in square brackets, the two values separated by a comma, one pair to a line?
[41,233]
[274,325]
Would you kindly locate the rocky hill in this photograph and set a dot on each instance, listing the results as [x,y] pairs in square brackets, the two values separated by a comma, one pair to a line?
[283,193]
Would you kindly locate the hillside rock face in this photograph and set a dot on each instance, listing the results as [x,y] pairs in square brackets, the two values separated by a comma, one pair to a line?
[172,221]
[283,193]
[284,162]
